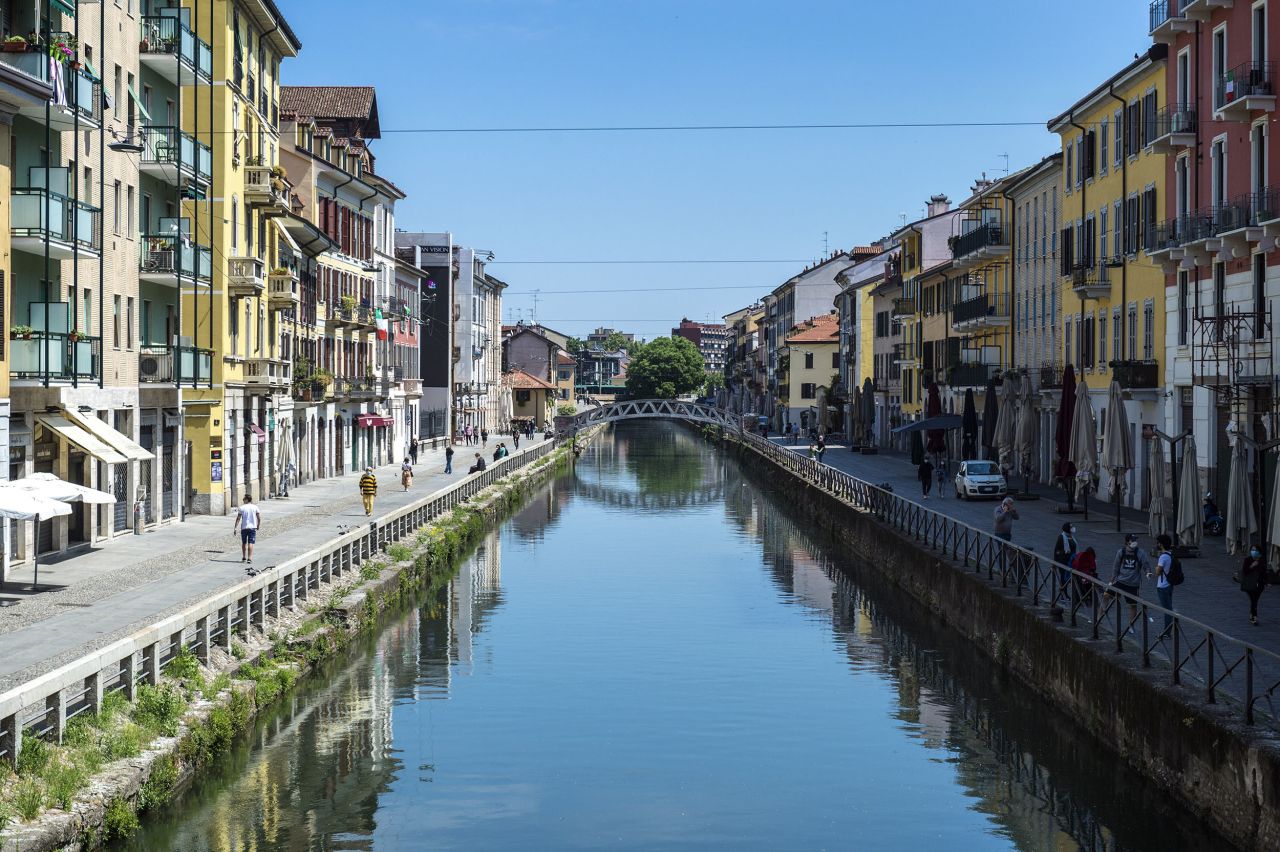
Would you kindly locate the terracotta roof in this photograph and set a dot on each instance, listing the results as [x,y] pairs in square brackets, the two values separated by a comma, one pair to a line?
[823,329]
[523,381]
[349,102]
[565,359]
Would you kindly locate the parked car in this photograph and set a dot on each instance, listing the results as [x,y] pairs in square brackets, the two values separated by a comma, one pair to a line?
[980,478]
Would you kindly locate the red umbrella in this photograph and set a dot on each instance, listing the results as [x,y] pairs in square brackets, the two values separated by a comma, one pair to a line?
[1065,469]
[935,439]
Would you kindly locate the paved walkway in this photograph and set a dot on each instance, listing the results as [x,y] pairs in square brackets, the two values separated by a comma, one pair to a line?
[95,596]
[1208,595]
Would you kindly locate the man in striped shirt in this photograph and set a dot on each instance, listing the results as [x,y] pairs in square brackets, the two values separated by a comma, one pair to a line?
[368,489]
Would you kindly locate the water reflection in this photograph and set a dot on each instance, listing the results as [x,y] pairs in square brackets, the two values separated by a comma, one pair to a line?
[684,666]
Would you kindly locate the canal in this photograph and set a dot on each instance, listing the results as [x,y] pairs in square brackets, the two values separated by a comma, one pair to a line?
[655,652]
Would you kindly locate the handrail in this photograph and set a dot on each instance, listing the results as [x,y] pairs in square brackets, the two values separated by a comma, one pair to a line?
[1224,668]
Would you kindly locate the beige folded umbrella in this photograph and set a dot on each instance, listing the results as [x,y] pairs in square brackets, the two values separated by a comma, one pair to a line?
[1188,511]
[1242,522]
[1158,473]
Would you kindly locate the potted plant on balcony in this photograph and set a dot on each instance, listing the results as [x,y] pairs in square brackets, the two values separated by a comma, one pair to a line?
[321,379]
[74,336]
[62,47]
[15,44]
[348,304]
[21,332]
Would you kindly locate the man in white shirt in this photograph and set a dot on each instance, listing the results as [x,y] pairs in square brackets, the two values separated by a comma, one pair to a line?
[248,519]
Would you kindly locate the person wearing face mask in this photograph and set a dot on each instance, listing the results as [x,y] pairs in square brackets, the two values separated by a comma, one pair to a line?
[1064,550]
[1126,572]
[1253,579]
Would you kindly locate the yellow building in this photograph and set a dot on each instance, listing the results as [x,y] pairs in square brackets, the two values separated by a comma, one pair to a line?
[532,398]
[566,375]
[810,365]
[1112,295]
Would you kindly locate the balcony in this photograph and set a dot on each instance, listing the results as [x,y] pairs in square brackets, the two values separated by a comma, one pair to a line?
[397,307]
[266,186]
[970,375]
[174,157]
[352,316]
[169,48]
[245,276]
[175,365]
[983,312]
[355,389]
[904,353]
[60,357]
[40,218]
[1091,281]
[1136,375]
[1175,128]
[903,308]
[77,96]
[1167,19]
[1050,376]
[282,289]
[268,373]
[1200,10]
[169,259]
[1245,89]
[983,243]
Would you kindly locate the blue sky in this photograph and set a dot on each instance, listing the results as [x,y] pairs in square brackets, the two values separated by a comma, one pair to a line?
[758,195]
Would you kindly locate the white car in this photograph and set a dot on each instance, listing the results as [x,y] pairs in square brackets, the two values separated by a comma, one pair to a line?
[980,479]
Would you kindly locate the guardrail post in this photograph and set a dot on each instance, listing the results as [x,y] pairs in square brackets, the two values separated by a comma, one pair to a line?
[242,613]
[325,567]
[128,667]
[260,615]
[274,598]
[202,640]
[224,625]
[11,739]
[288,585]
[93,691]
[56,715]
[303,582]
[1209,680]
[1248,686]
[151,664]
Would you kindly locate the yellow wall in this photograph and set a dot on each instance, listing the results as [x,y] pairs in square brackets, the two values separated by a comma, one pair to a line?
[866,332]
[820,374]
[6,183]
[1142,279]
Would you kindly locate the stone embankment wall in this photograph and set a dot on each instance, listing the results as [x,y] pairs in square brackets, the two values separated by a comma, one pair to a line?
[1226,772]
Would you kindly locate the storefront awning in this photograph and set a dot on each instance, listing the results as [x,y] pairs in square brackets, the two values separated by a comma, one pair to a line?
[73,434]
[257,432]
[122,444]
[366,420]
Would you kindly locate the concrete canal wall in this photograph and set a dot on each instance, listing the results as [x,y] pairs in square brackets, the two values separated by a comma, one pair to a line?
[1226,772]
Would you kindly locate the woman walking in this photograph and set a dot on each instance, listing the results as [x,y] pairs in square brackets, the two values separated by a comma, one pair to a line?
[1064,551]
[406,473]
[1253,580]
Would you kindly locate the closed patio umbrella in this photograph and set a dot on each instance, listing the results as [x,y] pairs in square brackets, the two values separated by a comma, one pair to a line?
[868,411]
[1063,469]
[935,439]
[1082,449]
[1158,508]
[969,427]
[1242,523]
[1117,445]
[1273,523]
[1188,511]
[1003,440]
[917,449]
[990,413]
[1026,432]
[859,428]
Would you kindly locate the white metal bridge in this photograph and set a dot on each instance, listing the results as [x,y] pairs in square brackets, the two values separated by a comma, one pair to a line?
[641,409]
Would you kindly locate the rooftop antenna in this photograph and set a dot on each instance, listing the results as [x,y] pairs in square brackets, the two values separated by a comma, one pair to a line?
[826,245]
[534,320]
[903,217]
[1006,163]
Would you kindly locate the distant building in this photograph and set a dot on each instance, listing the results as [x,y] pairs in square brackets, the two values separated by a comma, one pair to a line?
[600,335]
[809,366]
[712,340]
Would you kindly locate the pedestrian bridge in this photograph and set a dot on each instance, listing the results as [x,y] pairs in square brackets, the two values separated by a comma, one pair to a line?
[648,409]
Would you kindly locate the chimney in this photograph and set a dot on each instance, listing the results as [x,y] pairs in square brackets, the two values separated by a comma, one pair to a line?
[939,204]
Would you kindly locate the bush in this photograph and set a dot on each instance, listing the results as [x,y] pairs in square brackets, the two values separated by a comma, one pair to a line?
[125,741]
[63,782]
[34,756]
[566,409]
[217,685]
[158,709]
[158,787]
[28,798]
[120,820]
[184,666]
[370,571]
[400,552]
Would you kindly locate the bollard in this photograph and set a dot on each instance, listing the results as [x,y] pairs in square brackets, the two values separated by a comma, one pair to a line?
[137,517]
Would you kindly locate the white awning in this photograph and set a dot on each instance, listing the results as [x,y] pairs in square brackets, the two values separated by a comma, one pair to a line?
[74,434]
[287,237]
[19,504]
[121,443]
[50,487]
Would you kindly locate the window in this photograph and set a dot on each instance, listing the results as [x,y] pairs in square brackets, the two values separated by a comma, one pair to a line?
[1102,340]
[835,360]
[1117,124]
[1258,158]
[1116,222]
[115,321]
[1260,33]
[128,219]
[1148,218]
[128,319]
[1218,173]
[1184,80]
[1181,187]
[1067,161]
[1102,139]
[808,360]
[1148,329]
[87,299]
[235,217]
[1148,118]
[1219,289]
[1260,284]
[1102,233]
[1067,341]
[1080,175]
[1183,308]
[807,391]
[1132,331]
[1115,334]
[116,102]
[1219,66]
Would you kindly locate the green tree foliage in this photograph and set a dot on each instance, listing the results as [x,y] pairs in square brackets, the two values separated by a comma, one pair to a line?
[617,342]
[714,382]
[574,345]
[665,367]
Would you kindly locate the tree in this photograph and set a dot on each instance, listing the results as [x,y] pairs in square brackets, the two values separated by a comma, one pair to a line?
[714,382]
[574,345]
[617,342]
[665,367]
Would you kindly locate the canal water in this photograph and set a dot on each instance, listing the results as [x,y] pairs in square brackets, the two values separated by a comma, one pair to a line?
[657,653]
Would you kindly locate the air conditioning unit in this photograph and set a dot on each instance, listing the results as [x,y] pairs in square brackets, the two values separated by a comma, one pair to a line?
[149,365]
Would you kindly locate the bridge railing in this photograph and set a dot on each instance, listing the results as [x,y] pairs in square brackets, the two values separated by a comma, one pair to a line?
[1221,668]
[635,409]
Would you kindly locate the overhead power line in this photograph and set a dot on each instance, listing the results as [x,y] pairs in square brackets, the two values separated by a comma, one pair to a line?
[648,290]
[666,128]
[568,262]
